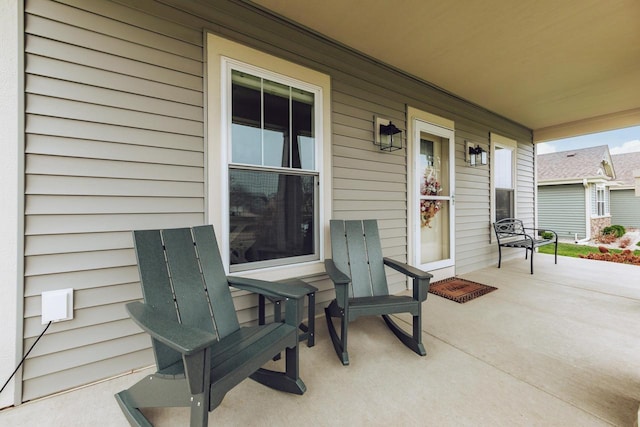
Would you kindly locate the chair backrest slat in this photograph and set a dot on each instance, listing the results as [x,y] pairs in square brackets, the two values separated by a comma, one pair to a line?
[360,277]
[339,251]
[356,251]
[188,285]
[225,317]
[374,254]
[156,287]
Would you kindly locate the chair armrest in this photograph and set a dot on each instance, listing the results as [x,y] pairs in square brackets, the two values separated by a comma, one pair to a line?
[421,279]
[340,283]
[271,289]
[336,276]
[406,269]
[184,339]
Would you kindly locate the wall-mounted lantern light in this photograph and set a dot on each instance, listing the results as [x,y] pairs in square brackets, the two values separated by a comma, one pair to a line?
[387,135]
[475,155]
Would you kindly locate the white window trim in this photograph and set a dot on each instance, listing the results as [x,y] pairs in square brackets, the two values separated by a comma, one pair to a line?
[221,52]
[605,200]
[511,144]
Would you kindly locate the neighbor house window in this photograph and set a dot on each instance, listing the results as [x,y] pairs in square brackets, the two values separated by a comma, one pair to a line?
[269,183]
[503,180]
[600,198]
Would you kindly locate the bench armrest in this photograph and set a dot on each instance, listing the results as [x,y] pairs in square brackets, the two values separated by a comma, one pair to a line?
[184,339]
[540,231]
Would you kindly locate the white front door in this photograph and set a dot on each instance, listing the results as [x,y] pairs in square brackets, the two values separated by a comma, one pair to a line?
[433,199]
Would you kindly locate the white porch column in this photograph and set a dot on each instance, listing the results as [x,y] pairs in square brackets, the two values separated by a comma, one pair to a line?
[10,185]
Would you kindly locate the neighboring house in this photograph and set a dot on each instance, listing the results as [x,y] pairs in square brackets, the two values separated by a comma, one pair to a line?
[151,114]
[573,191]
[625,197]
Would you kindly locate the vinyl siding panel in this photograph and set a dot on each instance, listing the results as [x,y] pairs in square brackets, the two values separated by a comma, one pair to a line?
[625,208]
[114,142]
[71,185]
[115,130]
[562,209]
[124,85]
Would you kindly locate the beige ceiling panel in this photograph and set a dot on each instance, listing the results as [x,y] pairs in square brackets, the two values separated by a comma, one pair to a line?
[541,64]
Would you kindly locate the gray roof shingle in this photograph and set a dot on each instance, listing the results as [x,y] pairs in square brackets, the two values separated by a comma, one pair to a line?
[573,164]
[625,164]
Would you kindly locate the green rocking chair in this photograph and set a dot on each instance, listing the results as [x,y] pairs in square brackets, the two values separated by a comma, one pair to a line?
[200,349]
[357,271]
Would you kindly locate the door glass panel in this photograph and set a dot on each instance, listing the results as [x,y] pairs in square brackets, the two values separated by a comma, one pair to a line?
[434,238]
[435,198]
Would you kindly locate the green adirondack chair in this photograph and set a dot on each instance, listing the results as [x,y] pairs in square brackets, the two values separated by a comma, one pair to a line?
[200,349]
[357,271]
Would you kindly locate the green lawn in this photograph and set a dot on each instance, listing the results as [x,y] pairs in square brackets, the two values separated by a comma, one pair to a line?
[568,249]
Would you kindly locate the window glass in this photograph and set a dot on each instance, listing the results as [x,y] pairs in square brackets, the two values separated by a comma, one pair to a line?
[504,204]
[503,177]
[504,172]
[276,133]
[504,183]
[272,213]
[246,111]
[600,201]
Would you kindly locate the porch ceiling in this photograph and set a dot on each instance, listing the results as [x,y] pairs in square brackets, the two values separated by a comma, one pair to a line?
[560,68]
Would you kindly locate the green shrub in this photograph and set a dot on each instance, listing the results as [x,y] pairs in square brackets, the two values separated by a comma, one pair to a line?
[616,230]
[621,230]
[547,235]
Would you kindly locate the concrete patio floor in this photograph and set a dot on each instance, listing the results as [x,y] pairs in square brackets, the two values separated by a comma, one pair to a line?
[557,348]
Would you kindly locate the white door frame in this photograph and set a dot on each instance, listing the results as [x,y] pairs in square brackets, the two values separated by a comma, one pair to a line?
[422,121]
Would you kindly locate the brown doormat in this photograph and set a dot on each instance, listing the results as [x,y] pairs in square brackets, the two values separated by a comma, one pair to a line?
[459,290]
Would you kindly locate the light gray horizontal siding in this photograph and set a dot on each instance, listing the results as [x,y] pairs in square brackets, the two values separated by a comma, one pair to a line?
[85,112]
[68,378]
[69,243]
[94,58]
[562,209]
[55,126]
[70,166]
[60,89]
[125,85]
[625,208]
[72,185]
[81,279]
[61,224]
[114,142]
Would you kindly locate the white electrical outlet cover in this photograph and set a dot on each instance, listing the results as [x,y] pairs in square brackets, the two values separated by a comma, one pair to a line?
[57,305]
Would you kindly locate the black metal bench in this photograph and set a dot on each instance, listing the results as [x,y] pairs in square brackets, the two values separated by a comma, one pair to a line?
[511,233]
